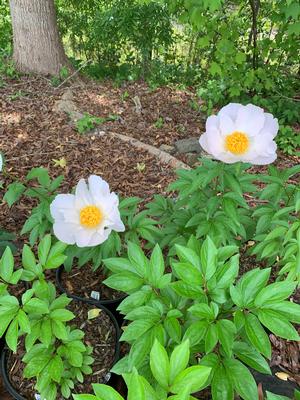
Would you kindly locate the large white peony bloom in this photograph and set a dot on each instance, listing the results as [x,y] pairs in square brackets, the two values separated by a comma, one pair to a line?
[1,162]
[88,217]
[241,133]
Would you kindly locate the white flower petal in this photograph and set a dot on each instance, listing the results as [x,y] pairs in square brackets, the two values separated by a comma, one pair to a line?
[1,162]
[231,110]
[228,158]
[262,143]
[227,126]
[91,237]
[250,119]
[212,122]
[100,237]
[261,160]
[83,236]
[215,142]
[62,203]
[271,124]
[83,197]
[98,187]
[203,142]
[109,203]
[65,232]
[115,222]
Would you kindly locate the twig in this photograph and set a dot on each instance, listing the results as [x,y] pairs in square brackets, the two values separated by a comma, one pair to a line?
[254,4]
[286,97]
[74,73]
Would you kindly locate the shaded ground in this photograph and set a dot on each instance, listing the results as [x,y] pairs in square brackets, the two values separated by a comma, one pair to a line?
[32,135]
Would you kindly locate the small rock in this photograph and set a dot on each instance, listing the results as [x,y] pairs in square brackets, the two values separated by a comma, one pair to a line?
[65,106]
[192,159]
[99,132]
[138,105]
[76,115]
[167,148]
[141,125]
[68,95]
[190,145]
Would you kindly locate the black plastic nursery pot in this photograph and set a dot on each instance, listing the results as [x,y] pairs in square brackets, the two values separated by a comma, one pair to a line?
[110,378]
[110,304]
[275,385]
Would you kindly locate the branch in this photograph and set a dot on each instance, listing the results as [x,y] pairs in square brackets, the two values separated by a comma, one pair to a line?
[74,73]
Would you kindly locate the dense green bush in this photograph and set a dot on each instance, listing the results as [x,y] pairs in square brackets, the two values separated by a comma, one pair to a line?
[115,32]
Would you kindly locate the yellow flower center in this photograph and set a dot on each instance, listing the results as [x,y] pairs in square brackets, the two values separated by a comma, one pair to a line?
[90,216]
[237,143]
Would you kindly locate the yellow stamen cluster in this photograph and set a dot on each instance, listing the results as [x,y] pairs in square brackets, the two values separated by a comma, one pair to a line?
[90,216]
[237,143]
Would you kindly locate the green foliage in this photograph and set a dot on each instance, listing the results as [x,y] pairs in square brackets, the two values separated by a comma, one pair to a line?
[5,29]
[39,186]
[170,373]
[201,300]
[288,140]
[115,32]
[211,202]
[6,239]
[56,80]
[55,355]
[159,123]
[88,122]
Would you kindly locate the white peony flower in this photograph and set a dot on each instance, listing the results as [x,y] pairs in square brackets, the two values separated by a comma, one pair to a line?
[1,162]
[88,217]
[241,133]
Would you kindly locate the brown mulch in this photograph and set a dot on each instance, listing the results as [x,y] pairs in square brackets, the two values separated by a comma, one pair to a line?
[168,106]
[82,281]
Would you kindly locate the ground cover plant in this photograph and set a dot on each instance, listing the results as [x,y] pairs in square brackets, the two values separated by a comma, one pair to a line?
[195,320]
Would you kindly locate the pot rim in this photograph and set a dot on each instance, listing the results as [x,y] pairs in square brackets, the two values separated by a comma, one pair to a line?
[90,300]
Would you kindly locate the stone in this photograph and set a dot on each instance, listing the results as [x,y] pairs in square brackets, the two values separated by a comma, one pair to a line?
[167,148]
[68,95]
[192,159]
[99,132]
[190,145]
[76,115]
[65,106]
[138,105]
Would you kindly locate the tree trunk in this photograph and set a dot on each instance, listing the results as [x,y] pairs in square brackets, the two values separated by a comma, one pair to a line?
[37,44]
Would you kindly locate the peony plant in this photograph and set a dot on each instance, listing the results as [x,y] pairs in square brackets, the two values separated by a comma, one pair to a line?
[56,356]
[228,201]
[173,379]
[206,299]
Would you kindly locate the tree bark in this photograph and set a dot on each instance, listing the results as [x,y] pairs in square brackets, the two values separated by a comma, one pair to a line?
[37,44]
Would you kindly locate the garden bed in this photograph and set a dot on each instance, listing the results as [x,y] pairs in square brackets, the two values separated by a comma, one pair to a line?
[32,135]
